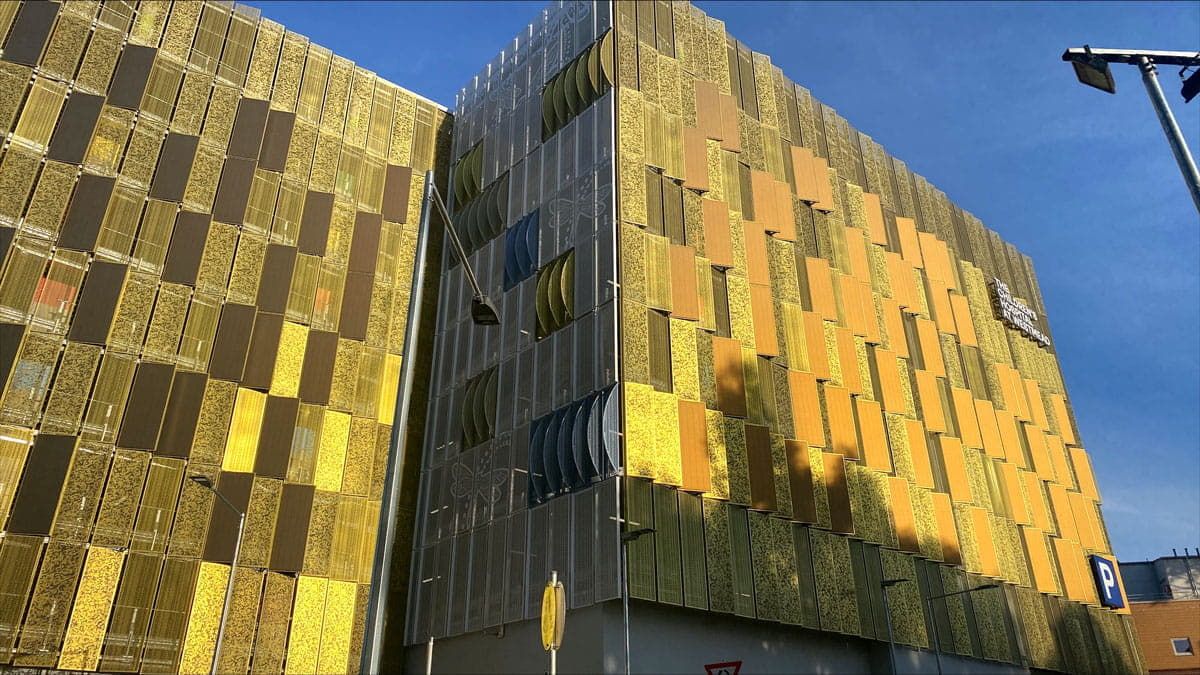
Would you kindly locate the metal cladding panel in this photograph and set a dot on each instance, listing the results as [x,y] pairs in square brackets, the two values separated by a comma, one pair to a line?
[150,315]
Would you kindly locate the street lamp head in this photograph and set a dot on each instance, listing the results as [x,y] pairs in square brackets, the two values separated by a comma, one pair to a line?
[888,583]
[984,587]
[202,481]
[1091,70]
[483,312]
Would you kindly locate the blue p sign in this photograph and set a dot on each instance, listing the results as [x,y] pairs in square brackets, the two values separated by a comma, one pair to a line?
[1105,573]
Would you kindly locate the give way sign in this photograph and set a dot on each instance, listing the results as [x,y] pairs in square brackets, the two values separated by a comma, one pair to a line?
[726,668]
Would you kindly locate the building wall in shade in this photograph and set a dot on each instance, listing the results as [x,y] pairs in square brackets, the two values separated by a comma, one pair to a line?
[814,390]
[207,237]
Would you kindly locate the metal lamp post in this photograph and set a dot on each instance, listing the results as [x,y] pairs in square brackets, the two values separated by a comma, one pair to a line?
[1091,67]
[206,483]
[483,313]
[886,584]
[937,651]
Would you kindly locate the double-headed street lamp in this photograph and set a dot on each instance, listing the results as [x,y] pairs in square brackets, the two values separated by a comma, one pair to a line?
[206,483]
[1091,67]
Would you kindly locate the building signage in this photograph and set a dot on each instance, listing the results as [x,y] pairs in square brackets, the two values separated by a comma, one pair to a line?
[1104,572]
[1016,314]
[723,668]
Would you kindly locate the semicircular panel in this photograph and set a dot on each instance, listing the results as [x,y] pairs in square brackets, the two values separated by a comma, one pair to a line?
[566,438]
[466,416]
[570,89]
[542,305]
[595,433]
[593,70]
[607,56]
[566,287]
[521,247]
[550,455]
[558,309]
[490,399]
[611,427]
[532,232]
[579,443]
[548,118]
[560,102]
[537,470]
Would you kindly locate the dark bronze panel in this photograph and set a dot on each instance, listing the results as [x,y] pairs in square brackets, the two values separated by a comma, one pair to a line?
[37,497]
[183,411]
[659,347]
[232,342]
[800,479]
[317,376]
[29,32]
[314,224]
[98,302]
[291,529]
[87,209]
[264,343]
[6,237]
[147,400]
[234,190]
[276,278]
[74,132]
[223,524]
[365,245]
[762,479]
[129,82]
[248,127]
[187,246]
[174,166]
[10,343]
[275,441]
[273,155]
[396,187]
[356,306]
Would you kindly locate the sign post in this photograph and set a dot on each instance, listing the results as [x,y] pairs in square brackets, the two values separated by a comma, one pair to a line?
[554,618]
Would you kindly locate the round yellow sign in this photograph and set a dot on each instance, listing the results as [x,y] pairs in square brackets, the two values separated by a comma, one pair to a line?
[554,614]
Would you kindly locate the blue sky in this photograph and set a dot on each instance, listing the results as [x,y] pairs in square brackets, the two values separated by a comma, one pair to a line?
[975,98]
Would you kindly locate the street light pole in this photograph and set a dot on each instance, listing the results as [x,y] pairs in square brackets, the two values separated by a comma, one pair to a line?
[1091,67]
[937,650]
[887,584]
[1179,148]
[206,482]
[626,538]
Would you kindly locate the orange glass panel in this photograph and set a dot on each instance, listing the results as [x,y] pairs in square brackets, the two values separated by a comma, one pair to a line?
[1083,471]
[838,493]
[843,436]
[988,562]
[806,407]
[806,180]
[848,358]
[1010,482]
[931,347]
[962,320]
[947,532]
[956,468]
[1037,552]
[943,312]
[910,245]
[763,310]
[1058,459]
[1058,405]
[685,296]
[1037,501]
[1036,438]
[964,413]
[824,185]
[931,401]
[919,449]
[1064,516]
[902,515]
[874,213]
[718,244]
[893,324]
[814,340]
[1070,562]
[693,442]
[1085,521]
[1010,438]
[874,436]
[1037,409]
[989,429]
[820,288]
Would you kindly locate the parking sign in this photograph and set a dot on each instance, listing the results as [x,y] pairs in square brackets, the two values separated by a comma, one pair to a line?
[1104,572]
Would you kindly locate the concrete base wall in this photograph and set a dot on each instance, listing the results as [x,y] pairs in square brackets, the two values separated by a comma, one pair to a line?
[666,639]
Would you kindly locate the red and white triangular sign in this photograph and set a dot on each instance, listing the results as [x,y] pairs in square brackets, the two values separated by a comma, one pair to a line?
[726,668]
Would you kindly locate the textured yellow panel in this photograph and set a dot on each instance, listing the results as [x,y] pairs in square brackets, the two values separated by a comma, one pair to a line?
[270,643]
[331,459]
[205,617]
[261,513]
[89,614]
[717,460]
[305,443]
[1083,470]
[290,360]
[242,445]
[336,627]
[304,643]
[157,510]
[41,113]
[122,493]
[69,394]
[14,448]
[49,606]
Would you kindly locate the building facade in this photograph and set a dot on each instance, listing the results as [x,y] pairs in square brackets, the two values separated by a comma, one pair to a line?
[207,230]
[729,321]
[1165,602]
[732,319]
